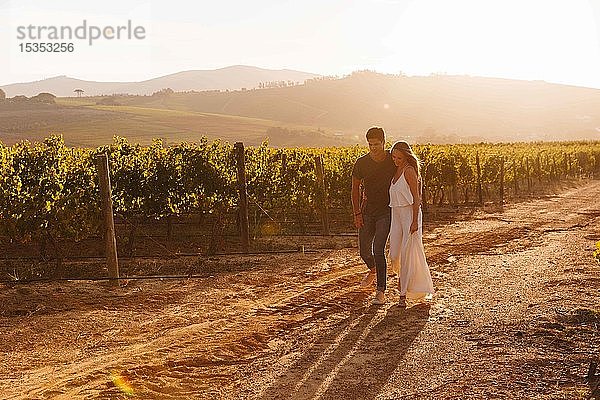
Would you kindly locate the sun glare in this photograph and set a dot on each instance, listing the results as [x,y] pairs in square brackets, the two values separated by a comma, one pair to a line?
[548,40]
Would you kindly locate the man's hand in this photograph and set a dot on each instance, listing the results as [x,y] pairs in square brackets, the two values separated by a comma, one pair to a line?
[356,203]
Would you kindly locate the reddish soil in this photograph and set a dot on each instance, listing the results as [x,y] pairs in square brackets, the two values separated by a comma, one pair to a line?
[516,315]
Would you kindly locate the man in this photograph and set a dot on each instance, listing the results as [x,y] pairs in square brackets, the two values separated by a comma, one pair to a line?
[375,171]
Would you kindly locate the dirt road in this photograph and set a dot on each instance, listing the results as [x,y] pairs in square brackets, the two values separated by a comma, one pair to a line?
[516,315]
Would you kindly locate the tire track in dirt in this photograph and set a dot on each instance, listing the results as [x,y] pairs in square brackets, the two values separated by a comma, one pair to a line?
[292,308]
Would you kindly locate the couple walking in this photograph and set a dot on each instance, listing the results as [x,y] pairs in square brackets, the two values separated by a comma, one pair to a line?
[390,206]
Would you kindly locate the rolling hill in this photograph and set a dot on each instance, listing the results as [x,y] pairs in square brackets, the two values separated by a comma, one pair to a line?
[327,111]
[229,78]
[434,108]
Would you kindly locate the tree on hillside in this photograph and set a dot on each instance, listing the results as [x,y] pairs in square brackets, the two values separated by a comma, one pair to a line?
[46,98]
[2,95]
[79,92]
[277,84]
[163,93]
[20,99]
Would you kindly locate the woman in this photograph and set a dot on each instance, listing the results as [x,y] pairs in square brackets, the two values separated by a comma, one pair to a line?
[406,232]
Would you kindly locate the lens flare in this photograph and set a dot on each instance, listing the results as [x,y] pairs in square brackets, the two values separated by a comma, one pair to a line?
[121,382]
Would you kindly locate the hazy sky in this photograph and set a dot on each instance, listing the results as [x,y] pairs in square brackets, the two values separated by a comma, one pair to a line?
[552,40]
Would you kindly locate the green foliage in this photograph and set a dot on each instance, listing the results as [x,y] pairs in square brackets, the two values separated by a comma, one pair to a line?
[48,190]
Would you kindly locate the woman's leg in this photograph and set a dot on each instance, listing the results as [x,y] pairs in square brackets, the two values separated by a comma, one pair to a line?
[405,219]
[395,241]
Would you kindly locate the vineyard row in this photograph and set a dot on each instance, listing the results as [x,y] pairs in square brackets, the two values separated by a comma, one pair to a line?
[49,191]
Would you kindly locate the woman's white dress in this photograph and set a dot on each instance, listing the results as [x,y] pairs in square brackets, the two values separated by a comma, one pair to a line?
[406,250]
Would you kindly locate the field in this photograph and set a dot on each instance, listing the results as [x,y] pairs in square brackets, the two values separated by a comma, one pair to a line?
[323,112]
[84,123]
[516,315]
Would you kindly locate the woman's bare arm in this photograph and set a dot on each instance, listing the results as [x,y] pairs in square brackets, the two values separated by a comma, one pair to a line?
[411,178]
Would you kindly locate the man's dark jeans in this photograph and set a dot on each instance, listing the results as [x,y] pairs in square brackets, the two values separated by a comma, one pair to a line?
[372,239]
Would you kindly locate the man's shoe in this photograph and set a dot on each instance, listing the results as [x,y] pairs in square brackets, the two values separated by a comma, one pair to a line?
[379,298]
[368,280]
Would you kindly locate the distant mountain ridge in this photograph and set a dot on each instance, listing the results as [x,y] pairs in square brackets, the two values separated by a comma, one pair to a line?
[443,108]
[420,109]
[228,78]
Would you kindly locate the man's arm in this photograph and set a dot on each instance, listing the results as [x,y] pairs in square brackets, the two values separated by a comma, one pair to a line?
[358,221]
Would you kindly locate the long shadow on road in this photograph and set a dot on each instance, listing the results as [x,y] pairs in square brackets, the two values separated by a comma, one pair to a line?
[356,359]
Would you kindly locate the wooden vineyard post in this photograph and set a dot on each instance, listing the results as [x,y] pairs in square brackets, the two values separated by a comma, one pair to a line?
[109,223]
[238,149]
[501,180]
[424,196]
[319,171]
[550,170]
[528,175]
[479,190]
[515,176]
[538,170]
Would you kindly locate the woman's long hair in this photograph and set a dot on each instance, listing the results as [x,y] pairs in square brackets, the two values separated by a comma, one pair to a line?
[410,156]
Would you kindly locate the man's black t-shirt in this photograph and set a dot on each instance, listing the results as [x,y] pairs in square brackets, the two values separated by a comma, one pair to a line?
[376,177]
